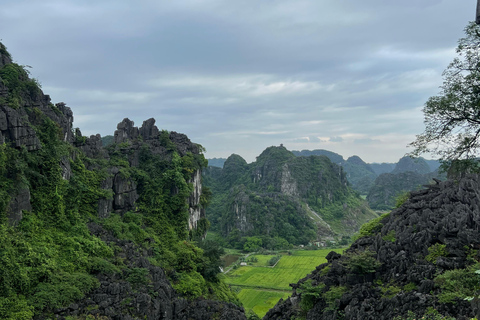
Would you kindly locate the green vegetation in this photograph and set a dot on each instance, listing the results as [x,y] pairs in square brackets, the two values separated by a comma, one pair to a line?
[50,259]
[332,295]
[389,291]
[371,228]
[401,199]
[47,261]
[361,262]
[21,88]
[269,284]
[436,251]
[273,261]
[451,118]
[260,301]
[390,236]
[458,284]
[309,294]
[253,200]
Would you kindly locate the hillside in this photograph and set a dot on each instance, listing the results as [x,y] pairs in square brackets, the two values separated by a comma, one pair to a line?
[362,176]
[409,174]
[283,199]
[359,174]
[419,261]
[100,232]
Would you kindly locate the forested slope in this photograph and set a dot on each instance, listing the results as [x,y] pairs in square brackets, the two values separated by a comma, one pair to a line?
[102,232]
[283,199]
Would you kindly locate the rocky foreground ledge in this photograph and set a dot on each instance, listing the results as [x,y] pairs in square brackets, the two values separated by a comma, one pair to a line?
[418,260]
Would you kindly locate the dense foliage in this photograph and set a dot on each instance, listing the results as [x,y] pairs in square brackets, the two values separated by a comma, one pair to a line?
[51,258]
[280,199]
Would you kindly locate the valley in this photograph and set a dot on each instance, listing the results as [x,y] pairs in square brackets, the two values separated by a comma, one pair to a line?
[259,286]
[137,225]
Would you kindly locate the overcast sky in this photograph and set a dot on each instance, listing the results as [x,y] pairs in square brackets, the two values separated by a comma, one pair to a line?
[239,76]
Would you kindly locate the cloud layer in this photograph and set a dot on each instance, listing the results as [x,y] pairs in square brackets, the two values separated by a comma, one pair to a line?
[239,76]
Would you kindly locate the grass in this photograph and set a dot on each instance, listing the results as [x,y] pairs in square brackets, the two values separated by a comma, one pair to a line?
[263,286]
[260,301]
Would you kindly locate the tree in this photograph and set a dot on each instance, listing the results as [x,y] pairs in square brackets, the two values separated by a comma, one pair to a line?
[252,244]
[452,119]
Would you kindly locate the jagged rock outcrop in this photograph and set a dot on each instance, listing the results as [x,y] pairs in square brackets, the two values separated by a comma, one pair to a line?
[130,140]
[434,235]
[119,297]
[51,180]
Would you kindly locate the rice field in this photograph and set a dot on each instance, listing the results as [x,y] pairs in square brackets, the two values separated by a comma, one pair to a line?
[260,301]
[262,286]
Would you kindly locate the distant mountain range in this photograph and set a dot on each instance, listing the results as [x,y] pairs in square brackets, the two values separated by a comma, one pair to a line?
[380,183]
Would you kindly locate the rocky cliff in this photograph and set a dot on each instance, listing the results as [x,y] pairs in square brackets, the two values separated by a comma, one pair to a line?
[418,261]
[100,232]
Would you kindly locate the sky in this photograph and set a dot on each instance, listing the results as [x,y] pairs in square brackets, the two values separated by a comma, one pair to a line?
[239,76]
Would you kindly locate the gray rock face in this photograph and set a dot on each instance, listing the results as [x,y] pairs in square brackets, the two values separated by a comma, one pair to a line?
[19,202]
[15,128]
[196,211]
[4,56]
[125,131]
[446,214]
[125,193]
[119,299]
[148,130]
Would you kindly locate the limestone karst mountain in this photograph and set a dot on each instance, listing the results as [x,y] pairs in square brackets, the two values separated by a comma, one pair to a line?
[293,199]
[103,233]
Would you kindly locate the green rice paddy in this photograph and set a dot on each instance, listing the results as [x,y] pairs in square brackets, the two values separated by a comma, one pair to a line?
[262,286]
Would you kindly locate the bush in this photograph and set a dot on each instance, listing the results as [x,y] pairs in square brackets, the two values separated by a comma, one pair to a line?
[361,262]
[436,251]
[274,260]
[309,294]
[457,284]
[332,295]
[370,228]
[138,276]
[390,236]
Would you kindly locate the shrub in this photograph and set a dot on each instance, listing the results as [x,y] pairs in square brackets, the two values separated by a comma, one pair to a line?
[390,291]
[138,276]
[309,294]
[401,199]
[332,295]
[409,287]
[361,262]
[390,236]
[274,260]
[436,251]
[370,228]
[457,284]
